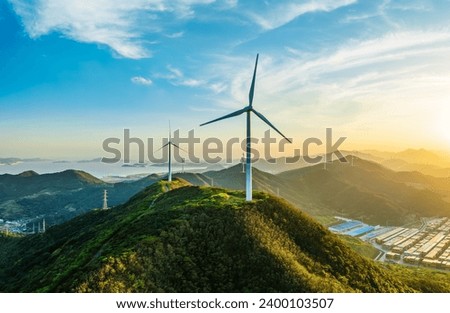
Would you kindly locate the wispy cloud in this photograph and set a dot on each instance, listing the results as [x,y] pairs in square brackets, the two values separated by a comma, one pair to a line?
[117,24]
[177,78]
[274,14]
[218,87]
[126,26]
[207,82]
[190,82]
[360,17]
[415,5]
[174,72]
[175,35]
[390,47]
[397,70]
[139,80]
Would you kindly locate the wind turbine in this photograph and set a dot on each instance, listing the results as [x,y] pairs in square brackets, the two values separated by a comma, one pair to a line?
[183,161]
[169,144]
[249,109]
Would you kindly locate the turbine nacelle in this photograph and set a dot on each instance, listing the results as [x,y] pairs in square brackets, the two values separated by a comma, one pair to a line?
[249,109]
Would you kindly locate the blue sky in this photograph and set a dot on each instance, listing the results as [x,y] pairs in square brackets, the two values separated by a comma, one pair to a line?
[74,72]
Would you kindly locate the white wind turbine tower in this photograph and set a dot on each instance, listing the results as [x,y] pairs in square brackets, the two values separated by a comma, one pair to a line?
[169,144]
[249,109]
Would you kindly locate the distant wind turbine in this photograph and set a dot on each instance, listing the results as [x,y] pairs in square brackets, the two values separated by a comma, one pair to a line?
[249,109]
[169,144]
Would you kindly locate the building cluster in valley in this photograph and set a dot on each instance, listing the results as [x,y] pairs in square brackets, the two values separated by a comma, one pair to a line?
[427,245]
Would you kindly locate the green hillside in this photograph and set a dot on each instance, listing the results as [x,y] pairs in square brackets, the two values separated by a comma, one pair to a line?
[366,191]
[180,238]
[60,196]
[361,247]
[234,178]
[370,192]
[29,182]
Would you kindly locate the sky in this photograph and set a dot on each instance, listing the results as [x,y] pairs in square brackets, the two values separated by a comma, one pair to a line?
[75,72]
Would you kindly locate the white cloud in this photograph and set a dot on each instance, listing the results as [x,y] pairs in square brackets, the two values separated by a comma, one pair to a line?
[403,71]
[230,3]
[177,78]
[139,80]
[117,24]
[360,17]
[175,72]
[410,5]
[124,25]
[281,13]
[175,35]
[218,87]
[190,82]
[398,50]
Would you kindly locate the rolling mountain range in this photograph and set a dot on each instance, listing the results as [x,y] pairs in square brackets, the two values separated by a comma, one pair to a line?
[357,189]
[60,196]
[370,192]
[411,160]
[414,156]
[365,190]
[175,237]
[427,169]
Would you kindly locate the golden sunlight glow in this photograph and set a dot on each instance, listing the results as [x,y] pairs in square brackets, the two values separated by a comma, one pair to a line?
[443,124]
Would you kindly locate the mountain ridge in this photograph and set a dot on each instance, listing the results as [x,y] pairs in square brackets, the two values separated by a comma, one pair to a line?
[175,237]
[358,189]
[367,190]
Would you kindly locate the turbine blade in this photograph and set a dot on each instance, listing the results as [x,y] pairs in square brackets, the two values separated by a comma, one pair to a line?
[270,124]
[238,112]
[163,146]
[176,146]
[170,132]
[252,87]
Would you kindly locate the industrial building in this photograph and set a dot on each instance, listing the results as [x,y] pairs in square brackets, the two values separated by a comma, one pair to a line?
[427,246]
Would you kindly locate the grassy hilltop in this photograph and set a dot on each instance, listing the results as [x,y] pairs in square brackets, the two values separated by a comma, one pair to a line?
[180,238]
